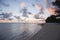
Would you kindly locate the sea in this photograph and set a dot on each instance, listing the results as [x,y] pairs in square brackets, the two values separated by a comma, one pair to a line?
[18,31]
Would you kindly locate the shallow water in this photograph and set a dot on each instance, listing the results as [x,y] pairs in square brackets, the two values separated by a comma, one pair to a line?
[18,31]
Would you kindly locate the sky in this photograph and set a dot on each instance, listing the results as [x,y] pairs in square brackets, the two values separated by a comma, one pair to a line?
[16,6]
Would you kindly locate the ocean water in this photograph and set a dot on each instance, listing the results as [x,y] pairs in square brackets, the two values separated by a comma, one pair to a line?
[18,31]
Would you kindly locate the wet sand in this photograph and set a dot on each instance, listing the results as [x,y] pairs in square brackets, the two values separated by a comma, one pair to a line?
[50,31]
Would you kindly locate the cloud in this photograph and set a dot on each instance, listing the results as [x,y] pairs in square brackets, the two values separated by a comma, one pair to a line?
[51,10]
[38,6]
[47,3]
[22,4]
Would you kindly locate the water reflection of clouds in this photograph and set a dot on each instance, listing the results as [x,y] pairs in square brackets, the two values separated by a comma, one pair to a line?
[16,31]
[27,30]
